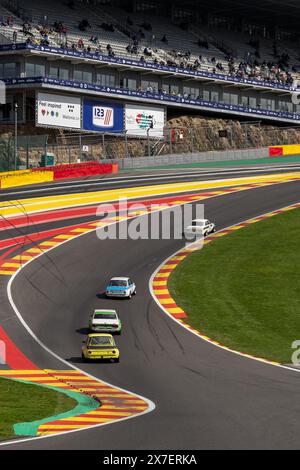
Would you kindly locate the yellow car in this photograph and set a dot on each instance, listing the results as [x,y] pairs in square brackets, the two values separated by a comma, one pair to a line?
[100,346]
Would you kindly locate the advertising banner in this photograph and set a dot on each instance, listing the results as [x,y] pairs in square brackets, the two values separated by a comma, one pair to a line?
[144,120]
[102,116]
[58,111]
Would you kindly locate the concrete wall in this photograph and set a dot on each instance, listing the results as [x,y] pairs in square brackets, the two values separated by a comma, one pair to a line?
[216,156]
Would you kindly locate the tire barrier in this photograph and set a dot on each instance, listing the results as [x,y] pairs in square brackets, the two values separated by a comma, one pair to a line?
[78,170]
[284,150]
[23,178]
[37,175]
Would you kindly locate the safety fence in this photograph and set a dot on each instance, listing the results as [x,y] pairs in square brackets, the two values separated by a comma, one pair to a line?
[179,137]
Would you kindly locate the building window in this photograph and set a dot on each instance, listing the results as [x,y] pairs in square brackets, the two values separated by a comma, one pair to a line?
[128,83]
[6,112]
[105,79]
[61,73]
[214,96]
[286,106]
[206,95]
[231,98]
[8,70]
[35,70]
[252,102]
[245,101]
[170,89]
[267,103]
[149,85]
[190,92]
[83,76]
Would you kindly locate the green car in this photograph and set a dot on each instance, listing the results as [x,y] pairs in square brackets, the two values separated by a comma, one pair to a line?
[105,321]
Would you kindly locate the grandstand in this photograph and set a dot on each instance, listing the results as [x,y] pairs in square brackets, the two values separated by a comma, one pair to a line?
[150,61]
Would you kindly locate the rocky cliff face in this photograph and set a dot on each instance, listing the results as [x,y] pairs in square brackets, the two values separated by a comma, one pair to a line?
[183,134]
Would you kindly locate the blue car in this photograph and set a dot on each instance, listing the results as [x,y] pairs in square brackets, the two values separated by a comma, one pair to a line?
[120,287]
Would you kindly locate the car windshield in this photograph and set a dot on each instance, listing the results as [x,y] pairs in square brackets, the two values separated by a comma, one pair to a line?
[118,283]
[100,341]
[198,223]
[105,316]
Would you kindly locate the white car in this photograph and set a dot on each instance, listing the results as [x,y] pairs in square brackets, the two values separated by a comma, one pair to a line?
[120,287]
[199,227]
[105,321]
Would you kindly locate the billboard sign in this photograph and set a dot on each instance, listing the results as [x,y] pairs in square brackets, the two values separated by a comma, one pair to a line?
[143,120]
[58,111]
[102,116]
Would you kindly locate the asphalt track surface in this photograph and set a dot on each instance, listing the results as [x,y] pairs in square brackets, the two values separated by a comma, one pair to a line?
[135,180]
[206,397]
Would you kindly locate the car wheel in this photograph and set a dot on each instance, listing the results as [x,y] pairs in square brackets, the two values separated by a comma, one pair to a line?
[82,357]
[116,360]
[129,295]
[134,292]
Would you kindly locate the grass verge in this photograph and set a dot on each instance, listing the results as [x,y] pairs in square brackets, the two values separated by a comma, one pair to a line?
[243,289]
[21,402]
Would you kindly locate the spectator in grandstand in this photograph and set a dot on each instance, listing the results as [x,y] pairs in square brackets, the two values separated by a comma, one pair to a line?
[64,30]
[164,39]
[140,34]
[107,27]
[98,49]
[149,88]
[202,43]
[132,49]
[45,40]
[266,71]
[15,36]
[83,25]
[94,39]
[26,29]
[147,52]
[110,50]
[80,43]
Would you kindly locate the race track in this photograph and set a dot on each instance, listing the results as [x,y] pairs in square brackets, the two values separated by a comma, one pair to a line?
[205,397]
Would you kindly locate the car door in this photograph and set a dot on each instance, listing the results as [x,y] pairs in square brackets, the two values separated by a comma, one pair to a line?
[206,227]
[209,226]
[131,285]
